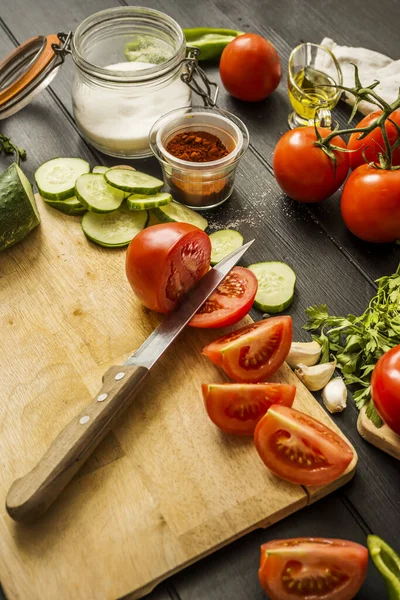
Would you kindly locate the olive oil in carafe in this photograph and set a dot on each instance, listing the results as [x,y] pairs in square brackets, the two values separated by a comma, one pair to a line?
[312,97]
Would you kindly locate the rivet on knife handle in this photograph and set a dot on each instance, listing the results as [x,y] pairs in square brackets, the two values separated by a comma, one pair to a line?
[30,496]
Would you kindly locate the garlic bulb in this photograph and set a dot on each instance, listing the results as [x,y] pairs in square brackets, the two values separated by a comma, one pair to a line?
[317,376]
[334,395]
[305,353]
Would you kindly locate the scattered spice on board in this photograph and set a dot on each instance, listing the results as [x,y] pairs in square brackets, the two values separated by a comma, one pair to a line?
[197,146]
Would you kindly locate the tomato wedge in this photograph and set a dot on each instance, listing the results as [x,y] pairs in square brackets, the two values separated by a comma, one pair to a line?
[165,261]
[230,302]
[312,569]
[237,407]
[253,353]
[299,448]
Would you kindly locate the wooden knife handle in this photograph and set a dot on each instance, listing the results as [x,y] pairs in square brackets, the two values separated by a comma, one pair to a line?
[30,496]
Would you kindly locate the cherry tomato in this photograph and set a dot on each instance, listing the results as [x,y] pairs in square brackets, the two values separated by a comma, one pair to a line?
[254,352]
[230,302]
[370,204]
[312,568]
[373,143]
[237,407]
[164,261]
[250,68]
[385,388]
[303,171]
[299,448]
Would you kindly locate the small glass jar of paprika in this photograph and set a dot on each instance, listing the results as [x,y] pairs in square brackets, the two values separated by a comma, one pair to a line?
[199,149]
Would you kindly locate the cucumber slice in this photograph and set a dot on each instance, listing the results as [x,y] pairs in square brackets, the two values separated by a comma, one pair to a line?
[18,210]
[142,201]
[153,220]
[56,178]
[133,181]
[181,214]
[93,191]
[70,206]
[100,169]
[224,242]
[114,229]
[276,282]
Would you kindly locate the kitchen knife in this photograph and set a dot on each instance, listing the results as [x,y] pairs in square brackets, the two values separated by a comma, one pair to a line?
[30,496]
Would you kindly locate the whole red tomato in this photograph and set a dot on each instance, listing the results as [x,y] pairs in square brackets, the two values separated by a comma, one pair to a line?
[373,143]
[370,204]
[250,68]
[303,171]
[165,261]
[385,388]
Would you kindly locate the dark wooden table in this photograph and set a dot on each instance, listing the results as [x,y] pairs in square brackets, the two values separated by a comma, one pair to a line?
[331,265]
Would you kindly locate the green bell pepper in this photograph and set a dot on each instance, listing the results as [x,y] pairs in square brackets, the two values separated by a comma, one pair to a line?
[210,41]
[387,561]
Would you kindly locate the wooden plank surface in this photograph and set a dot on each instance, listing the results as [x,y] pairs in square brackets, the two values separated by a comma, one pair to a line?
[166,487]
[383,437]
[312,243]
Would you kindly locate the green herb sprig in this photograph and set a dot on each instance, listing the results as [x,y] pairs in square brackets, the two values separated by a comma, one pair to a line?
[358,342]
[8,147]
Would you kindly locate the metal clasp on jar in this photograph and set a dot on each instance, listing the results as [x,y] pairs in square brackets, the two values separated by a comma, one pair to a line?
[197,80]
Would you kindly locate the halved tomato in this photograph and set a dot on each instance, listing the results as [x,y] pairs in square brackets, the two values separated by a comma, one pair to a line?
[299,448]
[254,352]
[230,302]
[163,262]
[312,569]
[237,407]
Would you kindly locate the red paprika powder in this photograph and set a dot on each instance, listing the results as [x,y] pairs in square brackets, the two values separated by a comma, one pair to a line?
[197,146]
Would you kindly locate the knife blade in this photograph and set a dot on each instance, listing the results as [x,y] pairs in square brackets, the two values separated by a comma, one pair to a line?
[158,341]
[30,497]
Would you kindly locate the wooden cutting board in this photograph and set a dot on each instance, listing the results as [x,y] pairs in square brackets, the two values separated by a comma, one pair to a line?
[166,487]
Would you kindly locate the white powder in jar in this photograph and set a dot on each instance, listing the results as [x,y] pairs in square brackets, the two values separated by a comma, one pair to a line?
[118,121]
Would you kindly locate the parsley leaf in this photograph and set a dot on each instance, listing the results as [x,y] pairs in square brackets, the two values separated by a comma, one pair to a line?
[358,342]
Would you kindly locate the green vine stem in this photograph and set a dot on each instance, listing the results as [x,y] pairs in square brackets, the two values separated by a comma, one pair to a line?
[364,93]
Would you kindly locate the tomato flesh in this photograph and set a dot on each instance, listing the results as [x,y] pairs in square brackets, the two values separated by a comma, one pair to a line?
[303,171]
[312,569]
[253,353]
[165,261]
[299,448]
[250,68]
[385,388]
[236,408]
[373,143]
[370,204]
[230,302]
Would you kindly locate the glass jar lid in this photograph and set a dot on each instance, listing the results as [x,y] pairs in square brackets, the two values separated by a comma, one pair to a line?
[28,69]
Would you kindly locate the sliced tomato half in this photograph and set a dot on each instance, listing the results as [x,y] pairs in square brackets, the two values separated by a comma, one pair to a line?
[312,569]
[299,448]
[253,353]
[230,302]
[237,407]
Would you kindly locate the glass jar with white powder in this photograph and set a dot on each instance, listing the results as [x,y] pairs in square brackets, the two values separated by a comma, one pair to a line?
[129,65]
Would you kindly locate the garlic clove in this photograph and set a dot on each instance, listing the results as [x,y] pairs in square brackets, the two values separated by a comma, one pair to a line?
[317,376]
[305,353]
[334,395]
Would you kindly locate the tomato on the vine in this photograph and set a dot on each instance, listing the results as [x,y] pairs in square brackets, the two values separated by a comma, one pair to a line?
[373,143]
[311,568]
[165,261]
[253,353]
[237,407]
[385,388]
[303,171]
[230,302]
[299,448]
[250,68]
[370,204]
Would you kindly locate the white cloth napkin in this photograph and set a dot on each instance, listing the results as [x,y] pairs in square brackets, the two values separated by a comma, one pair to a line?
[371,66]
